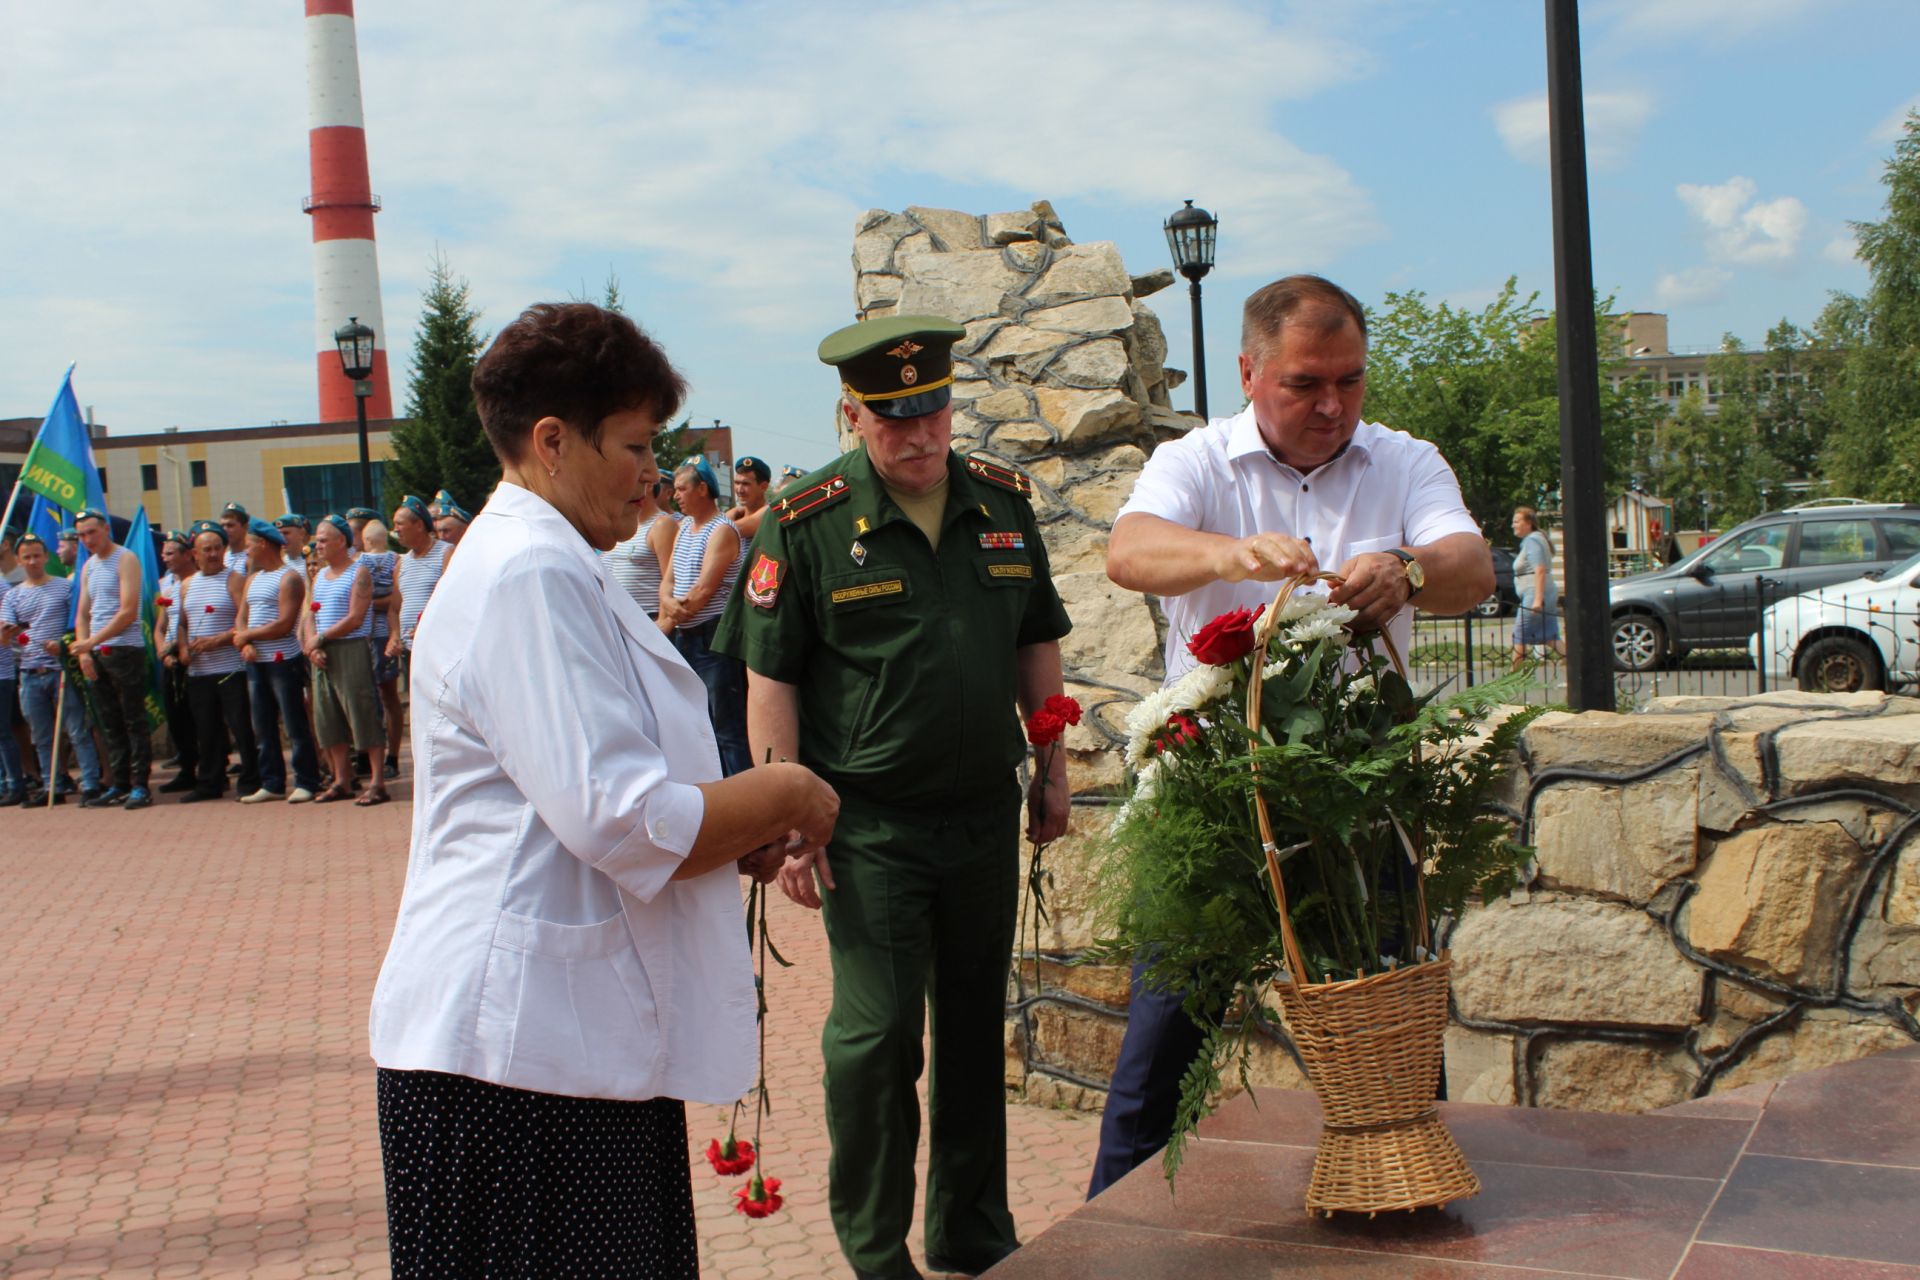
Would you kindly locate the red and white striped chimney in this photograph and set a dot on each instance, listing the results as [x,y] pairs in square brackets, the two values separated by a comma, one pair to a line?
[346,271]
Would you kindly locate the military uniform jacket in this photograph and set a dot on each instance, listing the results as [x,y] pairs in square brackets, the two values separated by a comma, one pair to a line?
[904,660]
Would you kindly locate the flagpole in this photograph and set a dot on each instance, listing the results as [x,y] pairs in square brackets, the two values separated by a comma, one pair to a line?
[6,521]
[53,756]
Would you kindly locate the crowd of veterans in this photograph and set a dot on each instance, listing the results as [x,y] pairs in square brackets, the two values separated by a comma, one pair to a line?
[278,657]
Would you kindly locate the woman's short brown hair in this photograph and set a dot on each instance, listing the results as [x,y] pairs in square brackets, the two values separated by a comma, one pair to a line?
[575,362]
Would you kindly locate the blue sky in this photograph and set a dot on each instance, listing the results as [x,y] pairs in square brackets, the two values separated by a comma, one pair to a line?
[714,157]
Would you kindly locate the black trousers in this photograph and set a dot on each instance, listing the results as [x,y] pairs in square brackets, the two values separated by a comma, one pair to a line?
[180,728]
[120,696]
[222,716]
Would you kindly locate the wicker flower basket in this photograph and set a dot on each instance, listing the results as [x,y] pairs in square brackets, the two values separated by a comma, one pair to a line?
[1372,1048]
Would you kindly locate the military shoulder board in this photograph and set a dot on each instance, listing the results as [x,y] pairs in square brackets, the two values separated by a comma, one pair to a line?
[808,501]
[998,473]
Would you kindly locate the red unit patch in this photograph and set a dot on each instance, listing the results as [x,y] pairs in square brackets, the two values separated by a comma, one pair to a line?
[763,582]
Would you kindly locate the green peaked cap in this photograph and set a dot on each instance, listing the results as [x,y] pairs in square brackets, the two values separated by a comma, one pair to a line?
[898,366]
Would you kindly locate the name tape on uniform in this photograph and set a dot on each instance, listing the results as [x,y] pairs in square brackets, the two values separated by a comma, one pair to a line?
[868,590]
[1010,570]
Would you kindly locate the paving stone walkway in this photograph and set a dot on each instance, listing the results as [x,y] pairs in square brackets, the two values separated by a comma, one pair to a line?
[184,1081]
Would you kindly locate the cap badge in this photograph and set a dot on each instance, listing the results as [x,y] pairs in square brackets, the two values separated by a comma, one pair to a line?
[906,350]
[909,375]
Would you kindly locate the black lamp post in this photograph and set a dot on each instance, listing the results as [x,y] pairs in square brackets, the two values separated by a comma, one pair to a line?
[355,341]
[1190,233]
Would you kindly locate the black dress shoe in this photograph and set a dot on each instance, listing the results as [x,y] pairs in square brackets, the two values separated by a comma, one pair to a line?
[183,782]
[195,797]
[971,1266]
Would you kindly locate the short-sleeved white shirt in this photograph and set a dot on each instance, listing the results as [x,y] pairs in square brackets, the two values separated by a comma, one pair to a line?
[1386,489]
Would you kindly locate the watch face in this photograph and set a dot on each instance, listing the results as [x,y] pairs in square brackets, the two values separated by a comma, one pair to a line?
[1416,575]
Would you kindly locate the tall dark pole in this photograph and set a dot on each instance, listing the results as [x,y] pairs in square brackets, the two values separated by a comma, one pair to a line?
[1583,528]
[366,462]
[1199,354]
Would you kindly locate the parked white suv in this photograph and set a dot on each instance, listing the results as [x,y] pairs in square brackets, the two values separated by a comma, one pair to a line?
[1854,635]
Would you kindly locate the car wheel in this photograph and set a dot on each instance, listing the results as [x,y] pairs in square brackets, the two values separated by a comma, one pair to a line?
[1840,664]
[1488,608]
[1638,642]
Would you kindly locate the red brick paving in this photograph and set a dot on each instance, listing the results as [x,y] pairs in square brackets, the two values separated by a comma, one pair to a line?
[184,1081]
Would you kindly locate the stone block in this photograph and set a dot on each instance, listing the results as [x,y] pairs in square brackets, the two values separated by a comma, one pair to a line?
[1152,282]
[1608,742]
[1772,900]
[1884,962]
[1903,888]
[954,229]
[1051,472]
[1111,476]
[1085,1043]
[1084,419]
[1112,628]
[1020,439]
[1076,547]
[1004,404]
[876,289]
[1571,960]
[1148,342]
[1010,228]
[1012,341]
[1742,705]
[1864,823]
[1882,752]
[1061,1095]
[1269,1066]
[962,286]
[1600,1075]
[1027,255]
[1096,315]
[1074,861]
[1090,772]
[1721,804]
[1479,1066]
[1822,1038]
[1619,842]
[1100,363]
[1093,269]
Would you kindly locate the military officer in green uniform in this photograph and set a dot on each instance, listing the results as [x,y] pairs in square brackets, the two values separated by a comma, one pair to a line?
[897,619]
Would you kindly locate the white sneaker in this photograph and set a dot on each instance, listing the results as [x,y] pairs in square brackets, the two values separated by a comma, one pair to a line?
[261,797]
[299,795]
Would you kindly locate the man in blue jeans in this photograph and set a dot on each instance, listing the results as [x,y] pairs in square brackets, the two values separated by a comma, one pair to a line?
[33,619]
[13,778]
[266,633]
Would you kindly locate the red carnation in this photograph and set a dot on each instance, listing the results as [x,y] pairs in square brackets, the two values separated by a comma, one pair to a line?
[731,1157]
[164,602]
[315,606]
[1227,639]
[209,608]
[21,639]
[1044,728]
[759,1197]
[1064,707]
[1180,729]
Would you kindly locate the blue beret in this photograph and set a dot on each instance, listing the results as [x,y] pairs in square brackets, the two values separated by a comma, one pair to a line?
[261,529]
[293,520]
[419,508]
[337,522]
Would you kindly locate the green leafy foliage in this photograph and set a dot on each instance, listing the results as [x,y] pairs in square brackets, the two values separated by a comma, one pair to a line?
[1372,792]
[440,444]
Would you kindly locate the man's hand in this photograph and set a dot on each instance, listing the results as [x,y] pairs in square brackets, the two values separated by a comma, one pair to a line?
[1265,557]
[318,657]
[764,863]
[169,658]
[797,878]
[87,668]
[1376,585]
[394,646]
[79,648]
[1049,802]
[247,653]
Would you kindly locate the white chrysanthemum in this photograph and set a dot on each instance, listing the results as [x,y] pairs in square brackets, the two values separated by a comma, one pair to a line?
[1303,604]
[1322,626]
[1356,688]
[1146,786]
[1198,688]
[1143,722]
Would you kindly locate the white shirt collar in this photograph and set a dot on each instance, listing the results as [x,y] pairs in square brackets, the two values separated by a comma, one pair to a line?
[1244,440]
[519,503]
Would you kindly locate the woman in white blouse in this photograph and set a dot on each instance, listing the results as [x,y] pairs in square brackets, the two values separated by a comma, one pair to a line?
[569,961]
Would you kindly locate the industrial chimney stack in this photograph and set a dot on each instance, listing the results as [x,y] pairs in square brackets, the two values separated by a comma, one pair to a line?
[346,271]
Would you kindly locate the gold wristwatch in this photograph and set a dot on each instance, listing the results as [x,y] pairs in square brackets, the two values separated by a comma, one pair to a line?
[1416,576]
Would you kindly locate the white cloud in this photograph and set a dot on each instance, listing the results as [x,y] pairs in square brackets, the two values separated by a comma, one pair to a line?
[1842,248]
[1692,286]
[1890,129]
[718,154]
[1718,21]
[1741,229]
[1613,119]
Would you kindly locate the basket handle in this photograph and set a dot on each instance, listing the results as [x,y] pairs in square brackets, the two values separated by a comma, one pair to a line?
[1290,943]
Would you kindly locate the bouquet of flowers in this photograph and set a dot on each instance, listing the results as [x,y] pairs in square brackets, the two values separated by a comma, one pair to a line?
[1298,819]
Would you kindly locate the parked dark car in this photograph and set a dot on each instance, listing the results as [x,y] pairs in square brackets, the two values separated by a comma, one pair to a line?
[1712,599]
[1505,599]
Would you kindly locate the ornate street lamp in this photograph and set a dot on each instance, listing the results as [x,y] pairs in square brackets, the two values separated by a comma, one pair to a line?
[1190,234]
[355,341]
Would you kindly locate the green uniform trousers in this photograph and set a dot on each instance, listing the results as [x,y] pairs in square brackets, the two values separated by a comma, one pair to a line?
[922,919]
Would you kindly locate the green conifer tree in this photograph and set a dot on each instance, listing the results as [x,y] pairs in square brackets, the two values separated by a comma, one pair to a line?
[441,445]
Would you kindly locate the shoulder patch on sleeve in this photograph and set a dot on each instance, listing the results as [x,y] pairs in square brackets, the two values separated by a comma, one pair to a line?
[998,473]
[829,491]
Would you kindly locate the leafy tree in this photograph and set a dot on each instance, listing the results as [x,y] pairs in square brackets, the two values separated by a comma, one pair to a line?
[441,445]
[1483,386]
[1707,464]
[1876,396]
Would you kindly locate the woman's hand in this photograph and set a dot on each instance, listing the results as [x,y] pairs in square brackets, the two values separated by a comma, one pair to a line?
[764,863]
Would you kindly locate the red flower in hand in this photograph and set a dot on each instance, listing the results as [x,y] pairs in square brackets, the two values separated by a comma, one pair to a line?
[731,1157]
[759,1197]
[1227,639]
[163,602]
[315,606]
[1180,729]
[1044,727]
[21,638]
[1064,707]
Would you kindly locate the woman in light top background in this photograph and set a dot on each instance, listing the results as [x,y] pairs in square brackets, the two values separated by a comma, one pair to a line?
[635,563]
[707,554]
[569,963]
[1538,621]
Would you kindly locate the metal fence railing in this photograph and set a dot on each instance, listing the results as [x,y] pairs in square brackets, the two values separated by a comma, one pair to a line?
[1816,640]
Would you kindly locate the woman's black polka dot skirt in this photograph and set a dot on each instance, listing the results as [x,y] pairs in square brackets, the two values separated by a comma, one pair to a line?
[483,1180]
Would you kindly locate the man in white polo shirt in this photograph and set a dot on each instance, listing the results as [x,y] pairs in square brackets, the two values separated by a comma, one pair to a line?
[1294,483]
